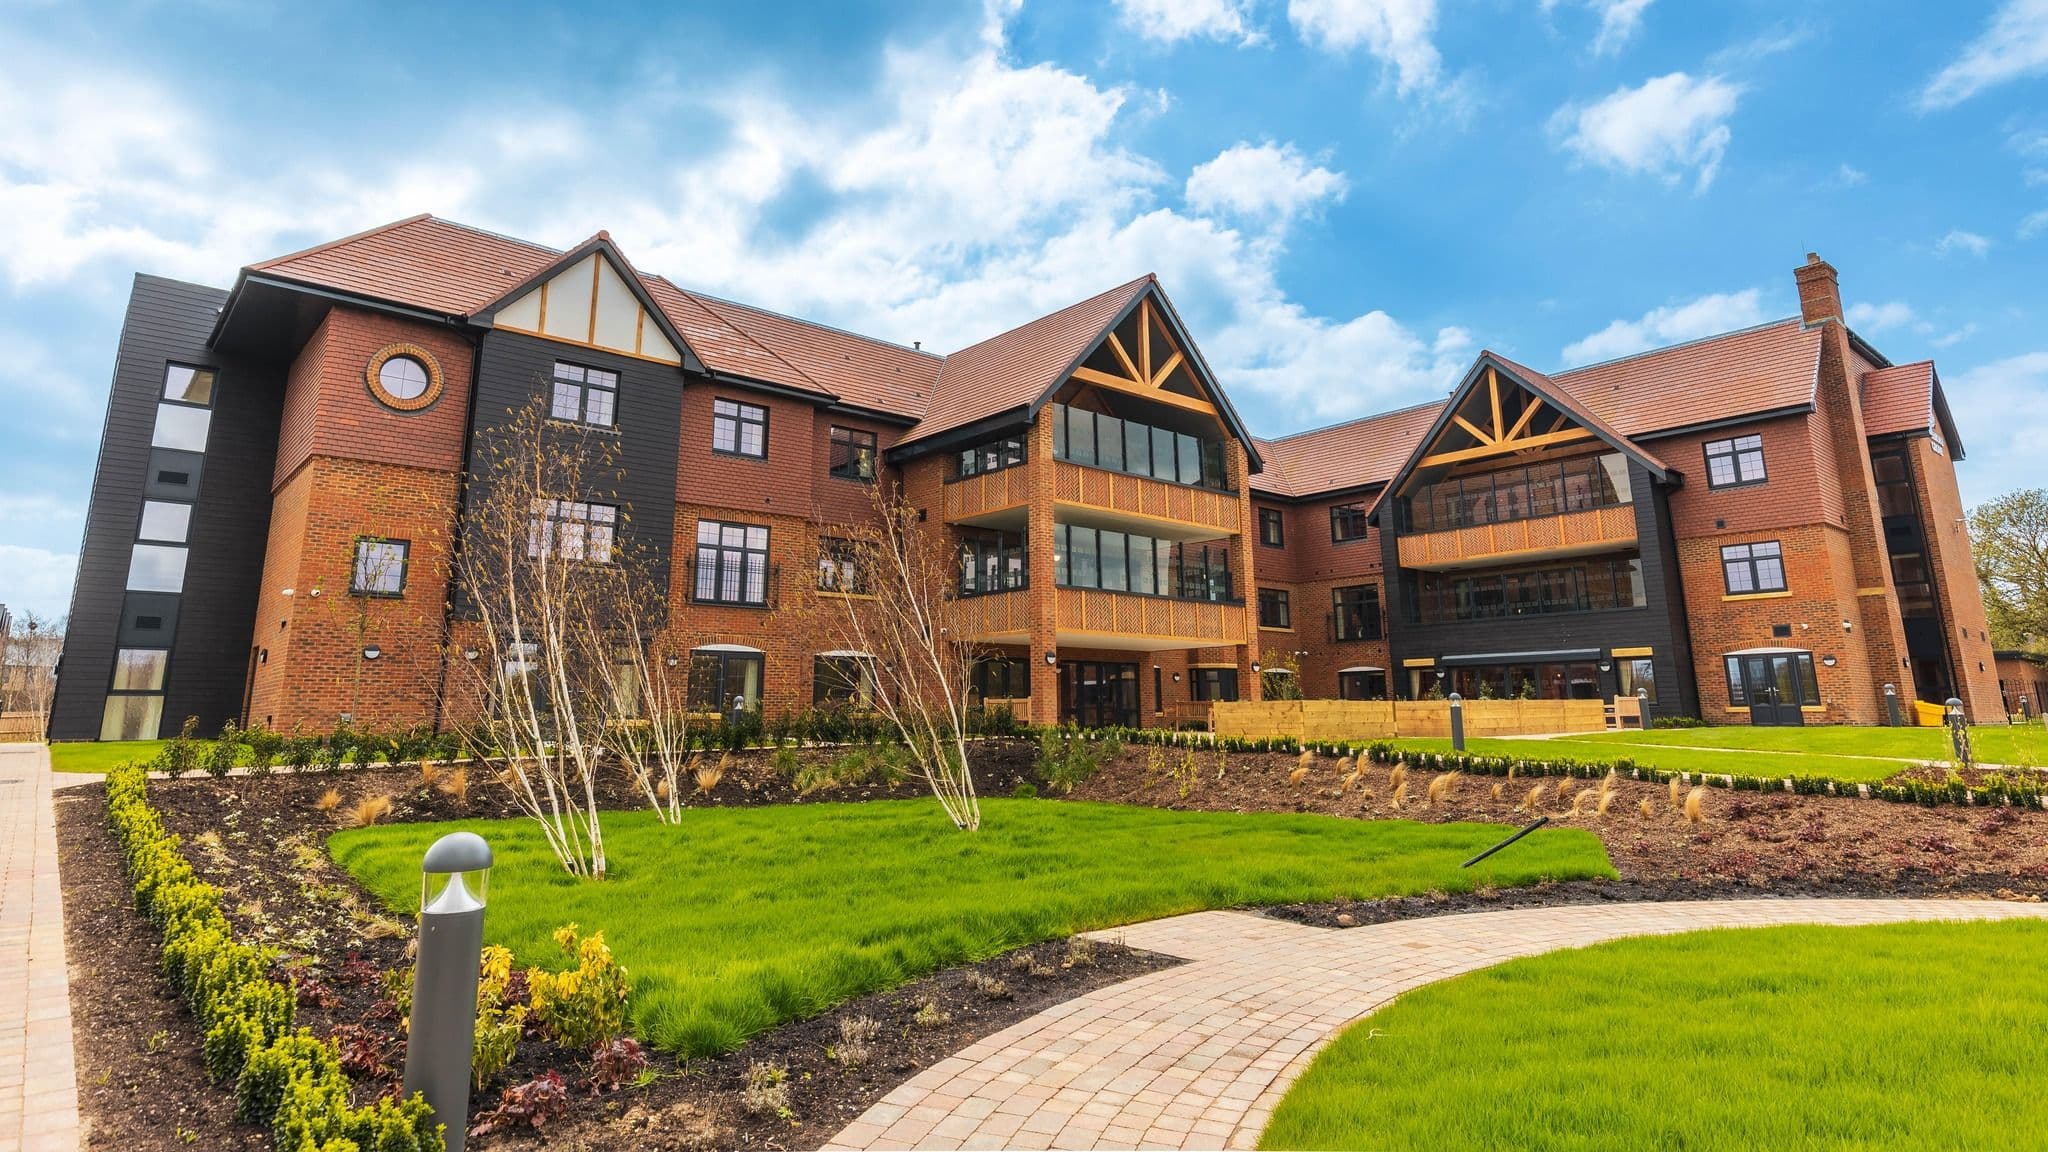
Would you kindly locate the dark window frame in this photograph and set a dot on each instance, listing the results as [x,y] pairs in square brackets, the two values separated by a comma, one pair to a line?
[1370,625]
[988,456]
[739,420]
[163,392]
[1222,682]
[1749,562]
[840,680]
[1342,515]
[1274,519]
[846,577]
[724,556]
[1277,599]
[723,659]
[851,467]
[355,570]
[1735,452]
[584,390]
[553,515]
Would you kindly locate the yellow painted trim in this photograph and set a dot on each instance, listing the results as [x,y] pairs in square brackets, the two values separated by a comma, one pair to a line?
[639,329]
[596,270]
[1419,662]
[542,323]
[824,595]
[1737,708]
[542,335]
[1870,591]
[1505,447]
[1272,628]
[1216,664]
[1642,651]
[1760,596]
[1813,707]
[1119,384]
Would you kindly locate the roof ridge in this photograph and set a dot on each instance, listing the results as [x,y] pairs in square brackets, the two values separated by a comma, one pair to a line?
[1149,277]
[502,236]
[339,241]
[1675,347]
[847,332]
[1354,420]
[749,337]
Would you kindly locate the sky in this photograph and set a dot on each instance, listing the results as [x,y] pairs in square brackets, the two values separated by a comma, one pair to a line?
[1346,199]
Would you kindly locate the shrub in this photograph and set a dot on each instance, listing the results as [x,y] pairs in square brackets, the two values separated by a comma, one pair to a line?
[219,758]
[615,1065]
[181,755]
[334,750]
[767,1090]
[264,748]
[532,1105]
[585,1006]
[856,1040]
[1025,790]
[498,1023]
[300,750]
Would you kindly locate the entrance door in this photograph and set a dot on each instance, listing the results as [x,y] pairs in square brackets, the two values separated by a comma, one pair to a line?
[1772,685]
[1098,695]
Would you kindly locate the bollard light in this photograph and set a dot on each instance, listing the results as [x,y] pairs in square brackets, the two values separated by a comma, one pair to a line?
[1959,732]
[455,878]
[1457,723]
[1891,705]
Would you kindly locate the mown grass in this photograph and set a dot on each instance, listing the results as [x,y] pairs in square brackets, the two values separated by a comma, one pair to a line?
[740,919]
[1896,1037]
[1732,761]
[100,756]
[1992,743]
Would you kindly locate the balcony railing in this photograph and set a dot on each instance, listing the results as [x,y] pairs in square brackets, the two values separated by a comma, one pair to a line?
[1551,591]
[1587,530]
[1109,615]
[1075,484]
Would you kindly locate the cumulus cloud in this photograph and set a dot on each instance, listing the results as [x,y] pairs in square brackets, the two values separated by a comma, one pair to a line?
[1672,324]
[1959,242]
[36,579]
[1666,127]
[1398,33]
[1879,317]
[2001,408]
[2015,46]
[2034,225]
[1171,21]
[1263,181]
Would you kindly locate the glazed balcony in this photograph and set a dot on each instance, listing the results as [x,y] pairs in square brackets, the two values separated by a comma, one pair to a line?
[1591,530]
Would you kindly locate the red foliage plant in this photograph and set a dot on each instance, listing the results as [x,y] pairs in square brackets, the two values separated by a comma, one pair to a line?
[533,1105]
[615,1064]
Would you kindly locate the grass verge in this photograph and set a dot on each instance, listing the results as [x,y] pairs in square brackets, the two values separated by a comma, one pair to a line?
[1732,761]
[1991,743]
[101,755]
[1900,1036]
[739,919]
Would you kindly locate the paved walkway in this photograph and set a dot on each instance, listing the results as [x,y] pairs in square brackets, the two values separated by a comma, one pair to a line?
[38,1080]
[1199,1055]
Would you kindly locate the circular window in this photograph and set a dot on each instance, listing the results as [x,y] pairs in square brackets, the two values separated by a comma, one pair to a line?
[405,377]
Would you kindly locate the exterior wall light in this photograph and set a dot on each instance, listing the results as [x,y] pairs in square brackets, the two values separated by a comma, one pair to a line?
[372,652]
[1255,667]
[1051,658]
[1848,627]
[1828,660]
[470,653]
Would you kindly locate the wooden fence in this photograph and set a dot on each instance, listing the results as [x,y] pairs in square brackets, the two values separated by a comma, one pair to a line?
[20,726]
[1335,720]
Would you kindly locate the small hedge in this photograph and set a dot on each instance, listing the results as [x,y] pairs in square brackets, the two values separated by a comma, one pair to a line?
[284,1078]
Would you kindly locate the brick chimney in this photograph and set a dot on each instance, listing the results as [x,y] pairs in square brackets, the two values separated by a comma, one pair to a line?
[1820,298]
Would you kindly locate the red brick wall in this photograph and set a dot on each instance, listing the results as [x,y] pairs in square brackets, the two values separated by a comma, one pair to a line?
[329,411]
[2018,676]
[782,484]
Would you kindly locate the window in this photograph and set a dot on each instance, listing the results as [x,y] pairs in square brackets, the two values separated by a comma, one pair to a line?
[188,385]
[1001,678]
[163,520]
[1273,611]
[584,395]
[139,669]
[853,454]
[1212,683]
[1637,672]
[380,567]
[739,429]
[1085,557]
[180,427]
[992,563]
[993,456]
[843,678]
[1750,568]
[1272,528]
[720,676]
[156,568]
[571,529]
[839,567]
[1362,684]
[732,563]
[1347,522]
[1738,696]
[131,717]
[1916,591]
[1894,485]
[1355,612]
[1102,441]
[1736,461]
[405,378]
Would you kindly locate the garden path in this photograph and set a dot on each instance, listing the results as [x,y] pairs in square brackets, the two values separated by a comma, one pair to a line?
[38,1079]
[1198,1056]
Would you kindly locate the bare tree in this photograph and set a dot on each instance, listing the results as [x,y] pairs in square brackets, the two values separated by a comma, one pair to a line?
[28,666]
[904,577]
[538,568]
[646,680]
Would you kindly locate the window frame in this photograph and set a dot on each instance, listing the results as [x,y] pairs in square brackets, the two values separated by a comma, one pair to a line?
[860,688]
[548,513]
[1748,562]
[1276,520]
[740,421]
[1279,599]
[847,578]
[1200,679]
[1372,625]
[852,441]
[1340,514]
[584,390]
[723,658]
[744,551]
[1733,450]
[355,572]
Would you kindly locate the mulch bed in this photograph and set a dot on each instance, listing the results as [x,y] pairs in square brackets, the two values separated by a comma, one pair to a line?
[262,841]
[1777,841]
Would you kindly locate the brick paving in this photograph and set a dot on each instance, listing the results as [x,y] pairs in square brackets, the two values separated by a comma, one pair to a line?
[1199,1055]
[38,1079]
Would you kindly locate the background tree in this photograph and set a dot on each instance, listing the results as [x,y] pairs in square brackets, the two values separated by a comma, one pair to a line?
[2010,538]
[28,668]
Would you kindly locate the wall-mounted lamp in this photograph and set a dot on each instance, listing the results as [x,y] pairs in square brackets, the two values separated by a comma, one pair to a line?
[1051,658]
[1848,627]
[1828,660]
[470,653]
[286,591]
[1176,677]
[372,652]
[315,593]
[1255,667]
[1606,666]
[673,661]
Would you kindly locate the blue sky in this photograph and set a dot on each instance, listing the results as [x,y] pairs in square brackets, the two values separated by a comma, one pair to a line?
[1346,198]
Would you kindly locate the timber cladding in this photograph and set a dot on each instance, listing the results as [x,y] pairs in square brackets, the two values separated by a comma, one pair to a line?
[1352,720]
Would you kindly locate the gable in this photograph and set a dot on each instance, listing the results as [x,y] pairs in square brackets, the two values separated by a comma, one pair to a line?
[588,303]
[1140,357]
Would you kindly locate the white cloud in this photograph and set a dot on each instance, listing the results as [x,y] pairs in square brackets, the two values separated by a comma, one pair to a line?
[2036,224]
[1959,241]
[1879,317]
[1664,127]
[1171,21]
[1849,176]
[1398,33]
[2001,409]
[1951,339]
[1619,22]
[2015,46]
[36,579]
[1673,324]
[1262,182]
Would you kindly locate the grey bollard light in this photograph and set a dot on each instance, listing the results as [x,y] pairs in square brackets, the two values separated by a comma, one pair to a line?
[1457,723]
[454,878]
[1891,705]
[1959,732]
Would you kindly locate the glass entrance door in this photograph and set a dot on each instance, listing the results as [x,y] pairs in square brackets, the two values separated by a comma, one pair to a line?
[1094,694]
[1773,688]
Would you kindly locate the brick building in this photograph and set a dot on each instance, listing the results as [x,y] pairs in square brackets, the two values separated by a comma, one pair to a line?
[1759,527]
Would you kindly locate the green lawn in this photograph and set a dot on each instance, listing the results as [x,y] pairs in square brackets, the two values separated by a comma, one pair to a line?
[1896,1037]
[1732,761]
[1995,743]
[99,756]
[740,919]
